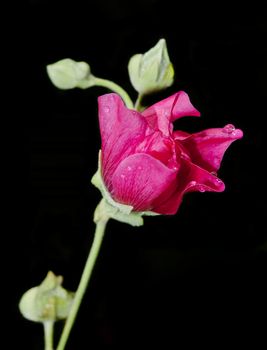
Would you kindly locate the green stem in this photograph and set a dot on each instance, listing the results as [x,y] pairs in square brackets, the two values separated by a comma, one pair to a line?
[116,88]
[99,233]
[48,334]
[137,104]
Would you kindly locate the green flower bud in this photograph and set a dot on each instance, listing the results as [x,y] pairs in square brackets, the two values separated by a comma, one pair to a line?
[68,74]
[46,302]
[152,71]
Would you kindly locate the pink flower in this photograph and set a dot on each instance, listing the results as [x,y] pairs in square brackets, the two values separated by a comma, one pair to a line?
[148,165]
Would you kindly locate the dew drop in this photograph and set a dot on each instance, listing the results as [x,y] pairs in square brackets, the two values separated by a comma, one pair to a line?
[192,183]
[166,113]
[122,176]
[129,168]
[201,189]
[229,129]
[218,182]
[106,109]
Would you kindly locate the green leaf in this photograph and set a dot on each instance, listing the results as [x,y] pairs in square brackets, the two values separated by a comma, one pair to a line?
[69,74]
[151,71]
[47,302]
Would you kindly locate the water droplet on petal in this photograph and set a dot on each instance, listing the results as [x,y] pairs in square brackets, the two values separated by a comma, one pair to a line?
[214,173]
[201,188]
[218,181]
[106,109]
[122,176]
[166,113]
[192,183]
[129,168]
[229,129]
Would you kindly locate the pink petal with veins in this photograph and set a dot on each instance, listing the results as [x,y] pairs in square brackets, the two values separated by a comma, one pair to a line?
[140,179]
[207,147]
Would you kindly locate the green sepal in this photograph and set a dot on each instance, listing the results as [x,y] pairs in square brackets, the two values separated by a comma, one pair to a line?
[47,302]
[105,210]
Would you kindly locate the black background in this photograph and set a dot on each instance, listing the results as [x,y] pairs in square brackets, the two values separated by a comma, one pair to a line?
[196,278]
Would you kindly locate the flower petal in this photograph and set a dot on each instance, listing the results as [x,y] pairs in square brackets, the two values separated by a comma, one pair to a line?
[180,135]
[121,129]
[160,115]
[140,179]
[191,178]
[159,147]
[207,147]
[182,106]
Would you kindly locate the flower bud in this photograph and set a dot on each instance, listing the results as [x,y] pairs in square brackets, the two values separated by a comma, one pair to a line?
[46,302]
[68,74]
[152,71]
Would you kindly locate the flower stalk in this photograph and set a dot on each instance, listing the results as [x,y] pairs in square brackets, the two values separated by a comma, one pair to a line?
[116,88]
[48,334]
[87,272]
[138,106]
